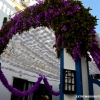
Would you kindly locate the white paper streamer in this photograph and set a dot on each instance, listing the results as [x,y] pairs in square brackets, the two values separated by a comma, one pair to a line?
[21,73]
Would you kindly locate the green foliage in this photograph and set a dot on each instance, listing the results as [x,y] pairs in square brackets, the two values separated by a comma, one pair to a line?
[78,25]
[4,20]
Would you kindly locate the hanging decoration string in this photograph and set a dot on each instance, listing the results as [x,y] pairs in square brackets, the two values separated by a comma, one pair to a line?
[13,70]
[49,88]
[18,93]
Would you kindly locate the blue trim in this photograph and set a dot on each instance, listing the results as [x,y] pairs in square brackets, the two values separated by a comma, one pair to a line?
[95,81]
[88,73]
[90,85]
[61,74]
[91,81]
[79,86]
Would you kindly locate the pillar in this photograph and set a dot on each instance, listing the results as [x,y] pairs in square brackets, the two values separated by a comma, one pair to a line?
[82,73]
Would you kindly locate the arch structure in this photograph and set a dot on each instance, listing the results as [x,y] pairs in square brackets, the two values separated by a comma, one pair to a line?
[74,27]
[74,30]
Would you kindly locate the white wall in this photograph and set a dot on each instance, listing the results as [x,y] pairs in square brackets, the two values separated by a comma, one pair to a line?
[84,78]
[5,10]
[69,64]
[6,95]
[96,89]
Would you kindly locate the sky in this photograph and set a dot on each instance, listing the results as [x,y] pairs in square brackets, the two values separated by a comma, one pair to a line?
[95,6]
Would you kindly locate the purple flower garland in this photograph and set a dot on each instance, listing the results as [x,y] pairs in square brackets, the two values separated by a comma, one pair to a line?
[18,93]
[76,53]
[49,88]
[95,53]
[14,90]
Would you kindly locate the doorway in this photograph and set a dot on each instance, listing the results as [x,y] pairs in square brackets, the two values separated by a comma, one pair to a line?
[21,85]
[41,92]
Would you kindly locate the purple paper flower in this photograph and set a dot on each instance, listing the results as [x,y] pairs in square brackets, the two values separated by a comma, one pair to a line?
[27,92]
[92,32]
[66,3]
[31,8]
[95,52]
[58,39]
[77,7]
[70,13]
[94,43]
[15,91]
[64,28]
[55,14]
[76,53]
[71,25]
[95,55]
[2,40]
[48,87]
[63,45]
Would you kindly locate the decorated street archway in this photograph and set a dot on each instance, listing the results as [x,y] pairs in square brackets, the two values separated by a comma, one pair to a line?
[74,29]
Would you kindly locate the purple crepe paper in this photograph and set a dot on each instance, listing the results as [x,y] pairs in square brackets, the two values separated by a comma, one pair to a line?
[14,90]
[95,52]
[49,88]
